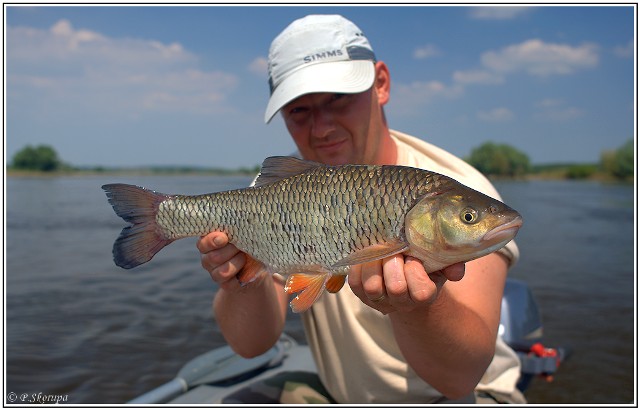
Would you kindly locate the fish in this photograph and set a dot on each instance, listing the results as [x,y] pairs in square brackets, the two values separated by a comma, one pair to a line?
[311,222]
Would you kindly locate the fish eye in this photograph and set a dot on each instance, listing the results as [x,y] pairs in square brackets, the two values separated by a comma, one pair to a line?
[469,215]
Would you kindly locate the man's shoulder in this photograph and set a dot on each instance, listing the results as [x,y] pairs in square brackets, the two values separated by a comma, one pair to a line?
[415,152]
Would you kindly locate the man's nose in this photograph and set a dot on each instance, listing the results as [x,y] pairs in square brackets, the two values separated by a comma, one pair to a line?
[322,123]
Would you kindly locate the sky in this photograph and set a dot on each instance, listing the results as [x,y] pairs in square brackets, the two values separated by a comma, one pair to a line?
[187,85]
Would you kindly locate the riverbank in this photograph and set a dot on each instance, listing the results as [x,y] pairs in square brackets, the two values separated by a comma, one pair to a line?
[177,171]
[546,175]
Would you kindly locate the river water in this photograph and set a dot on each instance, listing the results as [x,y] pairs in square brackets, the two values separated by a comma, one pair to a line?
[81,328]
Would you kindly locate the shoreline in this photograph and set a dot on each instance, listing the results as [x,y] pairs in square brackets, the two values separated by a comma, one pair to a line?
[543,176]
[141,172]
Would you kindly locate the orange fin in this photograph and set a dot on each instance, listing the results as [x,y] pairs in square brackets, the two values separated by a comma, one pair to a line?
[297,282]
[372,253]
[335,283]
[250,271]
[310,287]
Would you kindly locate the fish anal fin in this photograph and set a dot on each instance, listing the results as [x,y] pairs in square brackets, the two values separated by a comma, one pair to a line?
[335,283]
[277,168]
[250,271]
[310,287]
[372,253]
[297,282]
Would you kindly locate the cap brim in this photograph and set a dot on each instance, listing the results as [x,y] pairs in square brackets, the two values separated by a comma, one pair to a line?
[334,77]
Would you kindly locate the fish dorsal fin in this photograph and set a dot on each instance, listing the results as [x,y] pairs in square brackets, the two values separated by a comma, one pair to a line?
[372,253]
[277,168]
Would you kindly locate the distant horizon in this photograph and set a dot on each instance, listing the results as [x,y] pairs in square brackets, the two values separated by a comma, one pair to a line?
[204,167]
[122,86]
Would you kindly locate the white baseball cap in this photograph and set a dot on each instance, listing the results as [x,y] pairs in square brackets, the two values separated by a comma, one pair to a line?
[318,53]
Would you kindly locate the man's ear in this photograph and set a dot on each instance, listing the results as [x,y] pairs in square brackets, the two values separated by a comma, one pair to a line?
[382,82]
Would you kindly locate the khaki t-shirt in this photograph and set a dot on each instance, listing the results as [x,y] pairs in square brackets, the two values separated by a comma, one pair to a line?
[356,354]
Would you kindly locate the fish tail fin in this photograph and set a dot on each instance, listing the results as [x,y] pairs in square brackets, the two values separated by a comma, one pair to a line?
[310,286]
[141,240]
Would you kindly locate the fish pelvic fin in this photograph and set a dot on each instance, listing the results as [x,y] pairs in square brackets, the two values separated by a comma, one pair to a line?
[310,286]
[252,268]
[335,283]
[140,241]
[372,253]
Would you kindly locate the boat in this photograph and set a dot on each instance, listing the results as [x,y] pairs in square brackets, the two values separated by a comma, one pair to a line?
[212,377]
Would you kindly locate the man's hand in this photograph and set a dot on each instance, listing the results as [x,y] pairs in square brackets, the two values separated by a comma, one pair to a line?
[221,259]
[399,283]
[251,317]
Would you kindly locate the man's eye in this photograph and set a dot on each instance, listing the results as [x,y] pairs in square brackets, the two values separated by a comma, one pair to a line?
[297,110]
[337,96]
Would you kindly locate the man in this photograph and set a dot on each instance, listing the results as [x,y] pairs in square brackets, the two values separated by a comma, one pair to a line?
[400,335]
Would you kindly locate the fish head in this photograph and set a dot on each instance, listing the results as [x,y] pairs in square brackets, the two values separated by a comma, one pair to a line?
[459,225]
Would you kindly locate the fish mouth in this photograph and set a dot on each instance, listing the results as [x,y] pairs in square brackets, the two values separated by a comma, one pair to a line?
[503,232]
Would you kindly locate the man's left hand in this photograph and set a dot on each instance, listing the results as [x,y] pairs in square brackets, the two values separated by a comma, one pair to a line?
[399,283]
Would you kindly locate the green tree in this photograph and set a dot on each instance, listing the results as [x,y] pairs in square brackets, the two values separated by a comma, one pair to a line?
[581,171]
[499,159]
[619,163]
[40,158]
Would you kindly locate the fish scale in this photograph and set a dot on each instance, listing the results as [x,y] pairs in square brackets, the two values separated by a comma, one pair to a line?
[269,221]
[300,218]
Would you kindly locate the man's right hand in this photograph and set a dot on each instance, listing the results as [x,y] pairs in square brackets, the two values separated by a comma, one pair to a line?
[221,259]
[251,317]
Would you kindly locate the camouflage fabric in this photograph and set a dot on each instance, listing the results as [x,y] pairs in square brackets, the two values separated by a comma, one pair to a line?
[305,388]
[283,388]
[515,397]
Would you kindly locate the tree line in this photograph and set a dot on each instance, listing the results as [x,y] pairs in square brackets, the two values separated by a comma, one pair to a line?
[489,158]
[40,158]
[504,160]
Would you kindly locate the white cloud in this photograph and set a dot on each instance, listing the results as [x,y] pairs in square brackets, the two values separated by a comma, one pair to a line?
[625,51]
[533,57]
[551,109]
[62,30]
[115,74]
[427,91]
[259,66]
[497,12]
[538,58]
[426,51]
[477,77]
[549,103]
[408,98]
[500,114]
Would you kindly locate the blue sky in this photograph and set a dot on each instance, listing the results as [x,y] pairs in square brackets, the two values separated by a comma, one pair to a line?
[145,85]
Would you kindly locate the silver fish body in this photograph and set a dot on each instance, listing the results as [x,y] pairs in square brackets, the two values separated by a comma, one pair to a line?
[301,217]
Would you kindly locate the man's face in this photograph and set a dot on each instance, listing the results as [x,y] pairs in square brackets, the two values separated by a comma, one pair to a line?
[335,129]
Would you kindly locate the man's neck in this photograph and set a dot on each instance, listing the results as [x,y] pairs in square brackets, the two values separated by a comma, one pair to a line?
[388,150]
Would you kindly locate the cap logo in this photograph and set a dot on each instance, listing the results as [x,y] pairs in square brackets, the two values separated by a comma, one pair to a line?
[323,56]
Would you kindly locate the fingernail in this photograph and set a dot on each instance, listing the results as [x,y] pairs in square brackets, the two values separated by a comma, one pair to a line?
[218,241]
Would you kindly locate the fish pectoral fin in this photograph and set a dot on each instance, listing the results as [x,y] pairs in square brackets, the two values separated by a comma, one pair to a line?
[372,253]
[310,286]
[276,168]
[250,271]
[335,283]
